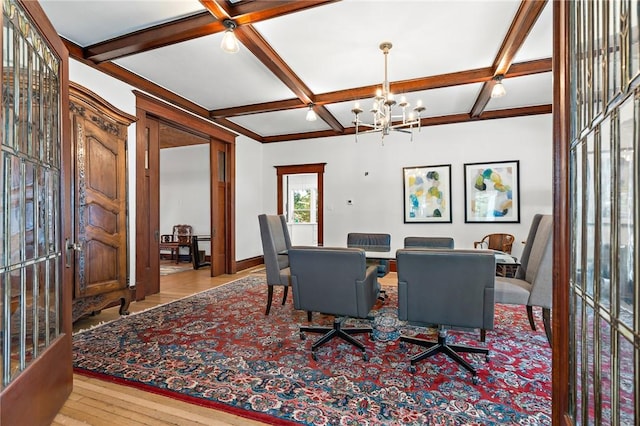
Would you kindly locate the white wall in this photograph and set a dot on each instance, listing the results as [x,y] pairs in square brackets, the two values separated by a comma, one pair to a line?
[185,190]
[378,196]
[250,196]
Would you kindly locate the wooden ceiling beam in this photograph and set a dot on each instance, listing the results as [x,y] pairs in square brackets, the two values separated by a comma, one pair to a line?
[255,11]
[525,18]
[258,108]
[427,121]
[198,25]
[263,51]
[135,80]
[405,86]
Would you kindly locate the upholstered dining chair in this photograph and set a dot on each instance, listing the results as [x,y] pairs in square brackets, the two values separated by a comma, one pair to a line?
[429,242]
[500,242]
[372,242]
[532,284]
[275,246]
[335,281]
[446,288]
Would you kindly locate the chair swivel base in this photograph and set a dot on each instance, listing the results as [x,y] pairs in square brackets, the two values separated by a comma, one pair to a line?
[336,331]
[450,350]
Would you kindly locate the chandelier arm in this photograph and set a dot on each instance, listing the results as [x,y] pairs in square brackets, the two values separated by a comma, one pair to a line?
[384,102]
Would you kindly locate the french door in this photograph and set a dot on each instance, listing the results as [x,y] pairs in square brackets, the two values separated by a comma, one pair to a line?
[35,293]
[597,352]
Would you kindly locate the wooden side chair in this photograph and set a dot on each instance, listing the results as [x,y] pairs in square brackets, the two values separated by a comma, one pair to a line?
[501,242]
[182,235]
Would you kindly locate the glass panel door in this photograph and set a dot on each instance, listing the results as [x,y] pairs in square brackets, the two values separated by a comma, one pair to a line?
[30,179]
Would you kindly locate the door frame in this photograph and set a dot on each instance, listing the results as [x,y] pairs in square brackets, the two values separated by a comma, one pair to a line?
[318,169]
[147,106]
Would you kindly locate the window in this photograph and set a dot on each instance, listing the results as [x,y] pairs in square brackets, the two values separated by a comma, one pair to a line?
[304,205]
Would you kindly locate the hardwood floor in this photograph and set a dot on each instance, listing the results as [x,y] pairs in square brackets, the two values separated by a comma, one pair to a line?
[95,402]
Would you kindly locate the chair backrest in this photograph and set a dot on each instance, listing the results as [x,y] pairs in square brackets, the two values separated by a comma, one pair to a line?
[429,242]
[526,251]
[332,280]
[369,241]
[446,287]
[182,234]
[539,267]
[500,242]
[275,245]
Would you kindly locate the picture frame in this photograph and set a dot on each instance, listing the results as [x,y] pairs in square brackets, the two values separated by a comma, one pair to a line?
[492,192]
[427,194]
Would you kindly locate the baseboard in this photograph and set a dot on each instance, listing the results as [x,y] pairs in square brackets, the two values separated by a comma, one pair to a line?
[249,263]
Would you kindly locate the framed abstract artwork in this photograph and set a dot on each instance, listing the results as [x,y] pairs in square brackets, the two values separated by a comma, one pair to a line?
[491,192]
[427,194]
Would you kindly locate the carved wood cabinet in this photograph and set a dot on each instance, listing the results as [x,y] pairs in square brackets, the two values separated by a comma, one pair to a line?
[99,186]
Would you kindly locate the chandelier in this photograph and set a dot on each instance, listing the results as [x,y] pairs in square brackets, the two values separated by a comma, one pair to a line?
[406,119]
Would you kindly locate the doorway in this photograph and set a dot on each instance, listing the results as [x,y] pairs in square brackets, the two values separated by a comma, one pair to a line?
[151,113]
[185,189]
[291,178]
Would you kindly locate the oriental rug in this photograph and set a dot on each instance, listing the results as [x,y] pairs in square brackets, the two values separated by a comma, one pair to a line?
[218,349]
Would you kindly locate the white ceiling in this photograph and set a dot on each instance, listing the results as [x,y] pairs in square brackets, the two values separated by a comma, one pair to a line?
[330,47]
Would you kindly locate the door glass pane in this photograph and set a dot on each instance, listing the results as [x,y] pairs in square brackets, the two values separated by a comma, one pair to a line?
[628,376]
[30,256]
[626,217]
[590,199]
[604,281]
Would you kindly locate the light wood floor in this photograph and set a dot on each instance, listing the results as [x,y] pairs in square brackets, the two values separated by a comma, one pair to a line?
[95,402]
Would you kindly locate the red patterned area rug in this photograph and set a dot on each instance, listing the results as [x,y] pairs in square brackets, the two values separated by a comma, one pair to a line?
[218,349]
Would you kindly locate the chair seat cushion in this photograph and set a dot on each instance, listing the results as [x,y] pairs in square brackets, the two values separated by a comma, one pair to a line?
[512,291]
[285,276]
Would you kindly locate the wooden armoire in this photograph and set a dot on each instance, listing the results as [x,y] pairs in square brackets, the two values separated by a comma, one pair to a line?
[99,187]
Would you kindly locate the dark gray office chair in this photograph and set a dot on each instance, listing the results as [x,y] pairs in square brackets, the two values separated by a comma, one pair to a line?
[533,283]
[333,281]
[275,245]
[447,288]
[428,242]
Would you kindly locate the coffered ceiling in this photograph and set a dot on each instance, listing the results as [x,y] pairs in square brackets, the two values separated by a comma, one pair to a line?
[294,53]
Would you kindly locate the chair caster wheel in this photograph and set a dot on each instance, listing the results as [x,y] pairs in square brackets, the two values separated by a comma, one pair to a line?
[314,356]
[365,357]
[412,369]
[475,380]
[302,336]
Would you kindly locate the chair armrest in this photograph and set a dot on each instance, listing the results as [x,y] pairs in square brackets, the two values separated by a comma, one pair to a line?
[367,291]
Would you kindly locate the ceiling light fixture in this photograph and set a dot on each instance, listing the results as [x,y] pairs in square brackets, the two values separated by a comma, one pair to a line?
[382,108]
[311,114]
[229,41]
[498,90]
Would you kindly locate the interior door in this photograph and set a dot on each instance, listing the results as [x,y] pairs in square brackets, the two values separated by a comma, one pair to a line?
[35,297]
[219,201]
[148,219]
